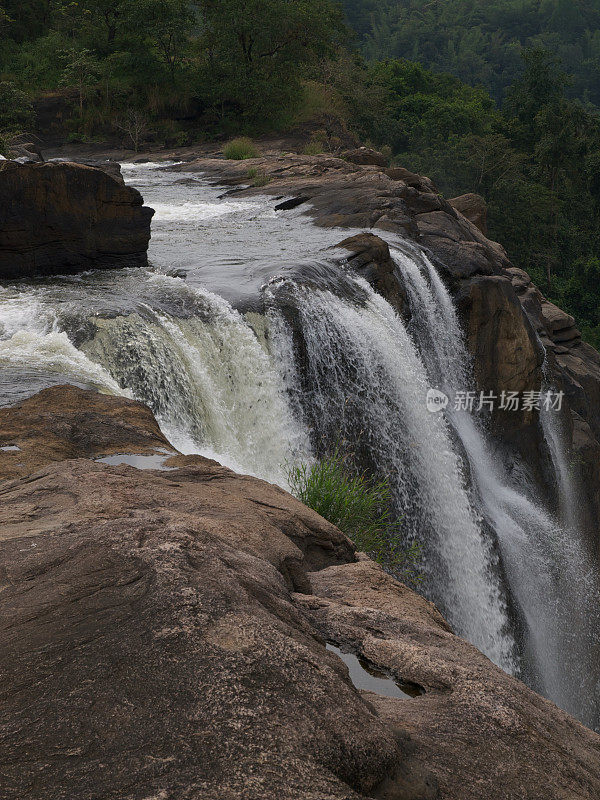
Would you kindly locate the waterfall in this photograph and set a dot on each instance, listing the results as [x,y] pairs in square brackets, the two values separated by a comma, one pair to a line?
[330,361]
[203,371]
[362,380]
[547,573]
[208,379]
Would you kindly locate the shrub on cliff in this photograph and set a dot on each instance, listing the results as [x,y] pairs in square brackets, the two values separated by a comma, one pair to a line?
[360,507]
[240,149]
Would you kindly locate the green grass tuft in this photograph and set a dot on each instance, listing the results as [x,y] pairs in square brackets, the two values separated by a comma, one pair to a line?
[240,149]
[314,148]
[258,178]
[360,508]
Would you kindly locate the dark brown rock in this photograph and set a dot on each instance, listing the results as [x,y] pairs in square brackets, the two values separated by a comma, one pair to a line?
[60,217]
[419,182]
[371,258]
[366,156]
[500,337]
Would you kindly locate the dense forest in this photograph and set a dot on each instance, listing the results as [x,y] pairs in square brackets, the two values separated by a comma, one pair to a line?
[494,97]
[481,41]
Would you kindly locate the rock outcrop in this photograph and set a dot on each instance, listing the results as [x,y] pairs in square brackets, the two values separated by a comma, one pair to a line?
[366,156]
[163,636]
[58,218]
[372,260]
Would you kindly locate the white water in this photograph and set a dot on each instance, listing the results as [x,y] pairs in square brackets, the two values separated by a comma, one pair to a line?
[550,579]
[366,378]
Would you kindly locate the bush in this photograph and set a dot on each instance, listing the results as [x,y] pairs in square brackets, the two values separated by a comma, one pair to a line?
[240,149]
[258,178]
[360,507]
[314,148]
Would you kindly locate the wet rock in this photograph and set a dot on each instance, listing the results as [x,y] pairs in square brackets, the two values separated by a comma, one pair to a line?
[500,337]
[371,258]
[58,218]
[66,422]
[162,634]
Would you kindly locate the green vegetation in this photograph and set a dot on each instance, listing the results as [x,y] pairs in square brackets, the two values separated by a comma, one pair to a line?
[360,508]
[16,113]
[214,65]
[499,97]
[240,149]
[482,41]
[536,161]
[257,177]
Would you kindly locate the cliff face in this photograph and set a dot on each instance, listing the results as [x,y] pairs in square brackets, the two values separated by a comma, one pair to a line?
[162,634]
[506,317]
[57,218]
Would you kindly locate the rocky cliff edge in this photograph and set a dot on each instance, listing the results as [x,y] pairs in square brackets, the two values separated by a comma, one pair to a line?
[163,635]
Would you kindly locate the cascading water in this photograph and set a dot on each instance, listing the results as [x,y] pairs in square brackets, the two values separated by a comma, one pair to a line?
[330,360]
[364,380]
[547,572]
[208,380]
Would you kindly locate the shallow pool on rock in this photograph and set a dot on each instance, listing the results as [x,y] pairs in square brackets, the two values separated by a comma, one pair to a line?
[367,678]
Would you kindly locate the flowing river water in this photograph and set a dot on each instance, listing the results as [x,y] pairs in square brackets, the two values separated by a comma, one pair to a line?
[269,348]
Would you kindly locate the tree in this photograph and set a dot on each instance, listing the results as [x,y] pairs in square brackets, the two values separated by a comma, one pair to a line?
[81,70]
[167,26]
[111,15]
[543,84]
[254,52]
[135,124]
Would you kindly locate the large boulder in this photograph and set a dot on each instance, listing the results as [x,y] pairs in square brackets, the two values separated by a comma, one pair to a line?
[163,635]
[58,218]
[473,207]
[366,156]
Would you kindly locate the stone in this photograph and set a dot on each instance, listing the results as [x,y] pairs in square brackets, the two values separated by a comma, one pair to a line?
[65,422]
[419,182]
[372,260]
[474,208]
[366,156]
[162,635]
[502,342]
[58,218]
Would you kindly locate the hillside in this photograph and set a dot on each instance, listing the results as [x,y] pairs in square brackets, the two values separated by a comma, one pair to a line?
[481,42]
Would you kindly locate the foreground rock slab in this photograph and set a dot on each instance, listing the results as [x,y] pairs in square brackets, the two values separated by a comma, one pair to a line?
[162,635]
[58,218]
